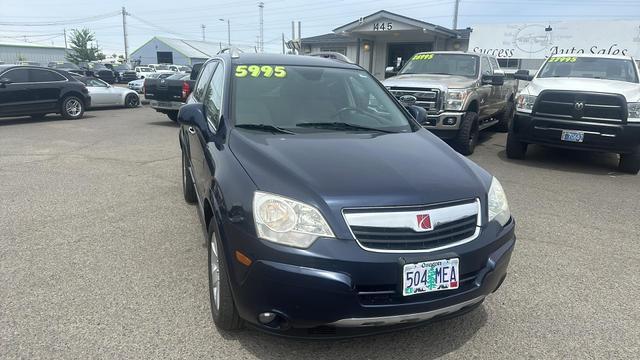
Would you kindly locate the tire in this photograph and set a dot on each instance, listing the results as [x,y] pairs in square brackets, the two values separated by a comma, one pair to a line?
[131,101]
[188,188]
[467,138]
[630,163]
[37,116]
[173,115]
[516,149]
[505,118]
[223,309]
[72,108]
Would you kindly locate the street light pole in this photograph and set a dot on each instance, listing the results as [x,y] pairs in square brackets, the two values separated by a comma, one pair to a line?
[228,31]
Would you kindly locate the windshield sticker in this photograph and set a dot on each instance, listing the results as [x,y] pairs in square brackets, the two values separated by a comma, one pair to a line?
[563,59]
[423,57]
[261,71]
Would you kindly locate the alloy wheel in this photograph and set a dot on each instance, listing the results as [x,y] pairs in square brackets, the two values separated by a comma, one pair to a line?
[73,107]
[214,266]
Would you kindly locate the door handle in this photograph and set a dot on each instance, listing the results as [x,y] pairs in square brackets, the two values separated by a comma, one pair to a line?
[191,130]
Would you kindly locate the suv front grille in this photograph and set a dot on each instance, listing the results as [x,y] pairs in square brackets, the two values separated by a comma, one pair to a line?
[397,229]
[426,98]
[587,106]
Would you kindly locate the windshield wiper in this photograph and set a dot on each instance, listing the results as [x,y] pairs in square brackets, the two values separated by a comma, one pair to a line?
[343,126]
[265,127]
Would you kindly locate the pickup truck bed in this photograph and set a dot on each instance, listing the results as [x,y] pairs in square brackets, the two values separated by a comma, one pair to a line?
[169,94]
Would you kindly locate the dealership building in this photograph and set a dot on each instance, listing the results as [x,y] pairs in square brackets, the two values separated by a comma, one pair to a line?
[385,39]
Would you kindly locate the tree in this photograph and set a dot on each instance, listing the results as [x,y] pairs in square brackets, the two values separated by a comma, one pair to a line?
[82,48]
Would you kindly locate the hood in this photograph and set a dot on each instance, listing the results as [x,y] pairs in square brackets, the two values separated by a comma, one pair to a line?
[631,91]
[338,170]
[438,81]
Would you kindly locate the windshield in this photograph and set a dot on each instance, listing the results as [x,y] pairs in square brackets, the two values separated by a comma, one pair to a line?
[184,68]
[178,77]
[65,66]
[446,64]
[162,67]
[153,75]
[144,69]
[312,99]
[588,67]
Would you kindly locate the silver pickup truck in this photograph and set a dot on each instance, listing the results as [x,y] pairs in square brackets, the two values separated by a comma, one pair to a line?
[463,93]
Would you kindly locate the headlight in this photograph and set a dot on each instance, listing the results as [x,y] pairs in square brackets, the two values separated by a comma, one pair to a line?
[455,99]
[634,112]
[524,103]
[288,222]
[498,205]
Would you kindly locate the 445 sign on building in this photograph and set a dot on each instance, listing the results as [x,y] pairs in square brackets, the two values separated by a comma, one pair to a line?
[382,26]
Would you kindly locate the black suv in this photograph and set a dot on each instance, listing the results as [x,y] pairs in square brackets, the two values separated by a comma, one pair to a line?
[325,204]
[37,91]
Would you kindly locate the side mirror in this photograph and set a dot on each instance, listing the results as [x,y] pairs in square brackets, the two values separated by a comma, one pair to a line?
[390,71]
[418,113]
[523,75]
[496,79]
[193,115]
[5,81]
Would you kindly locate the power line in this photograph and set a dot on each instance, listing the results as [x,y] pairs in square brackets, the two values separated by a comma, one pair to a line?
[62,22]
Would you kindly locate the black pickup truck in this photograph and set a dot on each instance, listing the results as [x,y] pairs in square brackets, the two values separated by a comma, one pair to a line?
[169,94]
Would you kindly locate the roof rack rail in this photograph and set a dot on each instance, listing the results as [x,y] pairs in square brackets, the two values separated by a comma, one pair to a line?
[332,55]
[234,51]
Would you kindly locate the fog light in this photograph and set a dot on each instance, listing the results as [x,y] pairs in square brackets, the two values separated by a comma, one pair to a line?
[449,121]
[266,317]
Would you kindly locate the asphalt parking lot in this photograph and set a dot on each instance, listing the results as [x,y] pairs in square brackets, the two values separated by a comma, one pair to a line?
[100,257]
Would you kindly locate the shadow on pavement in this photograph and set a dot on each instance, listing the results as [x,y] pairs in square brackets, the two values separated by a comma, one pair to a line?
[29,120]
[167,123]
[425,342]
[566,160]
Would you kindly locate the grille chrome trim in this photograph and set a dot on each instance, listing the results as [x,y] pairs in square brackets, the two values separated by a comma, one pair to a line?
[445,214]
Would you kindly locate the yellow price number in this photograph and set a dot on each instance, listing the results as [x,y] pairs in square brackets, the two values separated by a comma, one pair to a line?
[423,57]
[563,59]
[256,71]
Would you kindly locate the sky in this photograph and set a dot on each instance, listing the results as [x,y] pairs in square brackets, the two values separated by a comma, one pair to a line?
[44,21]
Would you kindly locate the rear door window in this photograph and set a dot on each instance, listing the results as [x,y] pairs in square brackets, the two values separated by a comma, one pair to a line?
[37,75]
[17,75]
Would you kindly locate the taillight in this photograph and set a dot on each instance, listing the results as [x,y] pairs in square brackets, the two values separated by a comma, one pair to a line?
[186,89]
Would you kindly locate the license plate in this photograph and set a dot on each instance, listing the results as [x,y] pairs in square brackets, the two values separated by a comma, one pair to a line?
[164,104]
[430,276]
[572,136]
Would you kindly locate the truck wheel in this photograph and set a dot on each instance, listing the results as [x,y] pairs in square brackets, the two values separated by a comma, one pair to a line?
[467,137]
[223,309]
[173,115]
[188,188]
[516,149]
[72,108]
[131,101]
[630,163]
[505,118]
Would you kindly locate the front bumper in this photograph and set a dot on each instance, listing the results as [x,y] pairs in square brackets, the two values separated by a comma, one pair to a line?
[607,137]
[338,284]
[436,123]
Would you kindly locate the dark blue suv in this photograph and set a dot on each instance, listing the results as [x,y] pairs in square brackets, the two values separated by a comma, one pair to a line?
[327,208]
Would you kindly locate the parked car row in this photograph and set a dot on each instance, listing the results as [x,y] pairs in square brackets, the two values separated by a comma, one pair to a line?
[37,91]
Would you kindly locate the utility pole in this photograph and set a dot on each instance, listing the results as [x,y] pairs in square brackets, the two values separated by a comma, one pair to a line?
[455,15]
[228,31]
[283,44]
[300,37]
[261,10]
[293,33]
[65,38]
[124,31]
[203,26]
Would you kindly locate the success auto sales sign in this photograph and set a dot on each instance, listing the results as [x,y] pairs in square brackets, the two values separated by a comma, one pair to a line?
[540,40]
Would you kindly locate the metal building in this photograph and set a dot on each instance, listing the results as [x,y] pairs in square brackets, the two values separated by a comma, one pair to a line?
[14,51]
[163,50]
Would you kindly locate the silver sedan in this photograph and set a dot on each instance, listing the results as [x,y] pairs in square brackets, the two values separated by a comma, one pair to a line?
[103,94]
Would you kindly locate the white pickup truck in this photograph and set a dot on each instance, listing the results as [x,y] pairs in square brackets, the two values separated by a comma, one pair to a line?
[586,102]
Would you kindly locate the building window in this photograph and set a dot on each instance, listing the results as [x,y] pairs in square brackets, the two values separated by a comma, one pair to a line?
[509,63]
[165,57]
[341,50]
